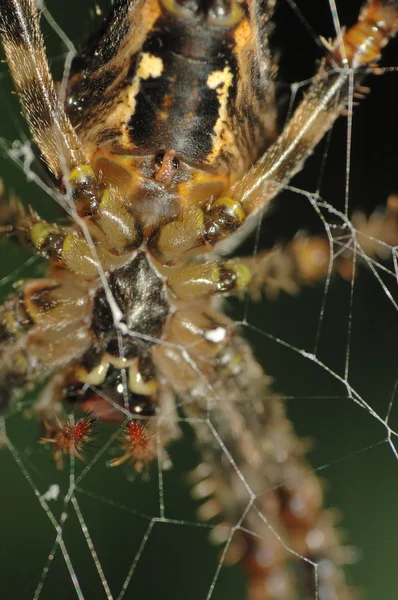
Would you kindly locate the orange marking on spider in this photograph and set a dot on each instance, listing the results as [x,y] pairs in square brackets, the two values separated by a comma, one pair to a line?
[68,438]
[138,446]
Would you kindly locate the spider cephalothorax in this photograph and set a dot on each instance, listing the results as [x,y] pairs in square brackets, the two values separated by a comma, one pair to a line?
[163,146]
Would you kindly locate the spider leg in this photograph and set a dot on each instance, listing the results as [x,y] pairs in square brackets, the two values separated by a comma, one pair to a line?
[304,260]
[204,279]
[45,316]
[308,259]
[51,129]
[70,247]
[23,45]
[256,482]
[41,328]
[340,73]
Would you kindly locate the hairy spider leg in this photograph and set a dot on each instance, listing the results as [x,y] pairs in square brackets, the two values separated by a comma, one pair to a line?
[51,128]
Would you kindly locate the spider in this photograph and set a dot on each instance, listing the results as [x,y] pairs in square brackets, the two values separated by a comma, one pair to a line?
[162,148]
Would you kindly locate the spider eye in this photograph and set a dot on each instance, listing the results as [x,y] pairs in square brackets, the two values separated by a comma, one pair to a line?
[222,13]
[159,160]
[165,164]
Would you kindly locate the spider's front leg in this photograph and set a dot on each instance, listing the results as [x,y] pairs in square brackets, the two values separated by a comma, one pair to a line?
[340,73]
[51,129]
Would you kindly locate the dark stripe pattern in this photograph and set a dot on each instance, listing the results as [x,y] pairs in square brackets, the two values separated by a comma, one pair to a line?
[178,110]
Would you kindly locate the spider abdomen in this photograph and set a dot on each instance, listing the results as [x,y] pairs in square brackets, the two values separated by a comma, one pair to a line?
[184,83]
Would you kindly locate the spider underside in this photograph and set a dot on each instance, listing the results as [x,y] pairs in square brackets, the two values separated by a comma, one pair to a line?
[164,146]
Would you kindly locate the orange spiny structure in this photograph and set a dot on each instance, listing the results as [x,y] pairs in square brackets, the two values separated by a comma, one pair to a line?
[69,438]
[137,445]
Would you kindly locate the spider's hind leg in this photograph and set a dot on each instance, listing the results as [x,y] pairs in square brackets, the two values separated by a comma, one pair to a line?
[254,481]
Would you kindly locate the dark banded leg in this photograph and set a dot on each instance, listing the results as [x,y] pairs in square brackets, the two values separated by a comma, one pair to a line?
[51,129]
[342,70]
[23,45]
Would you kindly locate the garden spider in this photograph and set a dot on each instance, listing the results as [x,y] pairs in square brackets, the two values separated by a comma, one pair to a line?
[165,148]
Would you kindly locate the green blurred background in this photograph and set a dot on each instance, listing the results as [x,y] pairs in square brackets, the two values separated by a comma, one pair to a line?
[360,470]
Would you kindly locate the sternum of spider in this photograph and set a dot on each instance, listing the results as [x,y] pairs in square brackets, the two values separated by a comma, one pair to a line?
[140,294]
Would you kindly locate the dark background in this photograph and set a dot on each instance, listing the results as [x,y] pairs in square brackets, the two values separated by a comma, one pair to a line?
[360,471]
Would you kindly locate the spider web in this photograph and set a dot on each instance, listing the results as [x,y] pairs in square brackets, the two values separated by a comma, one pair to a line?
[94,532]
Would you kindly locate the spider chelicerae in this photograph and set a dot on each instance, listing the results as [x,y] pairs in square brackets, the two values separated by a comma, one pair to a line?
[161,146]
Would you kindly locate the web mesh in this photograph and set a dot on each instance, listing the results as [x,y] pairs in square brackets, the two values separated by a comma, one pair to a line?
[90,531]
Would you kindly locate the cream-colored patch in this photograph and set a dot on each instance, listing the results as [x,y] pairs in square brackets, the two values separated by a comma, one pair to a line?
[150,66]
[243,35]
[221,81]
